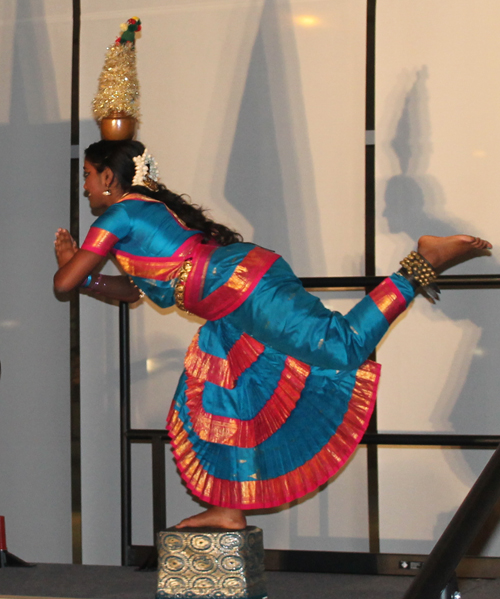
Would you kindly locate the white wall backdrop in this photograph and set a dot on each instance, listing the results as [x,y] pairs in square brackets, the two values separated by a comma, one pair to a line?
[254,108]
[35,483]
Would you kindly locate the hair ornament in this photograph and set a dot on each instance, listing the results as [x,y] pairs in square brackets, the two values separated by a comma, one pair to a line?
[146,171]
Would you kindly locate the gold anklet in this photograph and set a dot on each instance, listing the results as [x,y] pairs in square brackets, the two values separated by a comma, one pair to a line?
[418,267]
[420,273]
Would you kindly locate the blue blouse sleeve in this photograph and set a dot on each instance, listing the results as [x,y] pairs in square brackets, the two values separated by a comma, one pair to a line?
[116,220]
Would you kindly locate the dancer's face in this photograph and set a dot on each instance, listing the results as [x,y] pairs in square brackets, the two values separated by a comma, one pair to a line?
[95,185]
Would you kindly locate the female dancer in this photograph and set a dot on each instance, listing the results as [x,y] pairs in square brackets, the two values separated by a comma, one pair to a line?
[277,390]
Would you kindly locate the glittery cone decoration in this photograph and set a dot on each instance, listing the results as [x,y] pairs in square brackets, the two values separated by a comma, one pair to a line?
[116,104]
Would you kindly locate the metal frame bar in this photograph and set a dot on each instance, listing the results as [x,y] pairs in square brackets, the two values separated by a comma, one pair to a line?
[125,449]
[370,267]
[311,561]
[74,307]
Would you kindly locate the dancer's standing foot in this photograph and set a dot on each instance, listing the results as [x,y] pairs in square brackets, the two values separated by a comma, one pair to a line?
[216,517]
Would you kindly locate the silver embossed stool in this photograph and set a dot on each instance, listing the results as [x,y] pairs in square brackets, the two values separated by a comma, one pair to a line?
[210,563]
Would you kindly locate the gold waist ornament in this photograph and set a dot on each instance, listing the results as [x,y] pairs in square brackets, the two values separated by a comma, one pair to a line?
[180,286]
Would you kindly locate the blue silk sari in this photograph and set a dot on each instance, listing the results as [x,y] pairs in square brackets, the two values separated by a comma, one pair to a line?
[277,390]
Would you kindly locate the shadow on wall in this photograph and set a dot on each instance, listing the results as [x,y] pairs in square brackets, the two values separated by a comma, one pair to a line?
[34,411]
[270,176]
[415,203]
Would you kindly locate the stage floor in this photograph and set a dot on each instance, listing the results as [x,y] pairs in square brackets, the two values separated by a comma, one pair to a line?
[114,582]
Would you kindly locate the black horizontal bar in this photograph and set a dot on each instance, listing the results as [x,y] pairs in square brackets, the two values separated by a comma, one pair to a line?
[148,435]
[432,440]
[465,281]
[445,282]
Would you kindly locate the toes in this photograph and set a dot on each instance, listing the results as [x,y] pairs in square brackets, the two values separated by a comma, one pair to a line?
[481,244]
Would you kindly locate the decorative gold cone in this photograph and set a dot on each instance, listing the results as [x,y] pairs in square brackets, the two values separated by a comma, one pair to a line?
[118,126]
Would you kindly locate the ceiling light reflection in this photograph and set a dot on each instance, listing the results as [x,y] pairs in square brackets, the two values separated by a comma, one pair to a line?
[152,364]
[307,21]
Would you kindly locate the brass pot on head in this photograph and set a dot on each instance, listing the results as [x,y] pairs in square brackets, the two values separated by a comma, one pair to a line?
[118,126]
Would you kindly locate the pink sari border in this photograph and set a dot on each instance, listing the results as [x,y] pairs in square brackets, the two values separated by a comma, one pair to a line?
[184,252]
[223,372]
[252,432]
[389,300]
[196,279]
[99,241]
[229,296]
[260,494]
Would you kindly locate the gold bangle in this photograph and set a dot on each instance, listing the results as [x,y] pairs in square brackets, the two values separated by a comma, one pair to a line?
[180,286]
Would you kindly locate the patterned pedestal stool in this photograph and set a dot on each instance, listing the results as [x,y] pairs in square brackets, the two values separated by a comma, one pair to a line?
[209,563]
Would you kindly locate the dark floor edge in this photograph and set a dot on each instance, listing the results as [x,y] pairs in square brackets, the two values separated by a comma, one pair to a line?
[371,563]
[338,562]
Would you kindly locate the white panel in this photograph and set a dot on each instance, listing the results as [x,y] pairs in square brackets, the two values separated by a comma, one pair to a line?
[440,368]
[47,26]
[437,152]
[437,124]
[430,486]
[263,120]
[334,518]
[35,487]
[142,496]
[100,426]
[7,31]
[159,339]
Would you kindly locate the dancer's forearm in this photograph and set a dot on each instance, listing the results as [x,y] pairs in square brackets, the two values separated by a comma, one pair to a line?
[118,288]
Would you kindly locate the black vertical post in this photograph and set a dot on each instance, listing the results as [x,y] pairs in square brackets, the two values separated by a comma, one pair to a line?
[159,485]
[126,507]
[372,450]
[370,145]
[74,307]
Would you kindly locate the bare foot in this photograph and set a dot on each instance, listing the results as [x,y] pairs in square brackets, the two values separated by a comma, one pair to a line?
[440,251]
[65,247]
[216,517]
